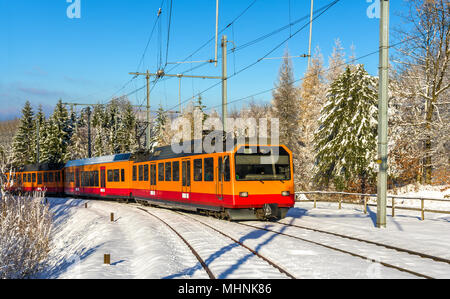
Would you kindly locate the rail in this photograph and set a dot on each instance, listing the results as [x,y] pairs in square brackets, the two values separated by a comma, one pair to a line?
[365,202]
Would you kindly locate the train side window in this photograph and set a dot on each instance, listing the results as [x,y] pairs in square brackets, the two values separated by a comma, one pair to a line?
[29,177]
[161,172]
[96,178]
[45,177]
[116,175]
[58,176]
[153,174]
[198,171]
[24,178]
[39,178]
[122,175]
[141,173]
[91,179]
[110,176]
[146,172]
[209,169]
[50,177]
[103,178]
[227,169]
[168,170]
[176,171]
[134,173]
[33,177]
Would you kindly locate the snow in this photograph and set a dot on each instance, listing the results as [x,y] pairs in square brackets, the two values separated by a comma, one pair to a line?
[141,246]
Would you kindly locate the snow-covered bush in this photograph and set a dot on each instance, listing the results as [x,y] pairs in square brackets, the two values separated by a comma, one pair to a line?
[25,225]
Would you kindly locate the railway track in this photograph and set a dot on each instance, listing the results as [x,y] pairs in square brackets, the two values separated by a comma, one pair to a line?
[299,228]
[340,236]
[198,256]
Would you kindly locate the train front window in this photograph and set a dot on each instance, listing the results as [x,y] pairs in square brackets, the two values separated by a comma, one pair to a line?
[263,163]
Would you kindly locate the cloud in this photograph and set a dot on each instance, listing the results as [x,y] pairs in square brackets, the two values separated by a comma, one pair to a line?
[41,92]
[36,71]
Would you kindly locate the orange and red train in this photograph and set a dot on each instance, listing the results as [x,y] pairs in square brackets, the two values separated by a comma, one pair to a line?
[247,182]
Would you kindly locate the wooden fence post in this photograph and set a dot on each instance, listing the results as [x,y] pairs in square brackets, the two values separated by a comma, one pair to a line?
[423,209]
[340,204]
[112,217]
[393,207]
[107,259]
[315,203]
[365,205]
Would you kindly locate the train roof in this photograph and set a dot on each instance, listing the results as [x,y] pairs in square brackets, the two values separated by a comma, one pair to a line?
[166,152]
[99,160]
[41,167]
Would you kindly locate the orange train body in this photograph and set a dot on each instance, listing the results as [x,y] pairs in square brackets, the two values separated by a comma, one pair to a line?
[248,182]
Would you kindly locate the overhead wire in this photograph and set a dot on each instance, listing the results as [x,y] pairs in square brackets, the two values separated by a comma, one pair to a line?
[311,75]
[327,7]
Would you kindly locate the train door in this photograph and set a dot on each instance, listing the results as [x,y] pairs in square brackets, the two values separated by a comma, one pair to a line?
[223,182]
[102,181]
[77,181]
[186,179]
[153,180]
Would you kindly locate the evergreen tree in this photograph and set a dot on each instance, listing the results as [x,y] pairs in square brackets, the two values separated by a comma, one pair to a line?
[99,128]
[78,146]
[336,62]
[40,120]
[159,128]
[286,105]
[346,141]
[312,98]
[58,135]
[24,140]
[127,129]
[286,109]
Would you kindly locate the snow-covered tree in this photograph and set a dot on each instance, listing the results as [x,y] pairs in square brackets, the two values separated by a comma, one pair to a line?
[346,140]
[127,129]
[99,124]
[423,66]
[312,98]
[24,140]
[58,132]
[286,105]
[336,63]
[286,108]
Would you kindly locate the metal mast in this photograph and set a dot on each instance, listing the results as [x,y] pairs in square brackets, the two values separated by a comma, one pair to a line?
[383,114]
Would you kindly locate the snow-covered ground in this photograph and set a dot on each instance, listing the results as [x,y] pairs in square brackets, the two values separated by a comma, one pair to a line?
[141,246]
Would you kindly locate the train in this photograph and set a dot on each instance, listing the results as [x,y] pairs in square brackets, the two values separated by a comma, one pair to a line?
[247,182]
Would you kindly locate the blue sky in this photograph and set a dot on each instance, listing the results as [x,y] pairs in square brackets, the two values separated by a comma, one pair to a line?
[44,55]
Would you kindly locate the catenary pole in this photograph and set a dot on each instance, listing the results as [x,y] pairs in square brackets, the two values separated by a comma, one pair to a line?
[224,83]
[310,33]
[383,114]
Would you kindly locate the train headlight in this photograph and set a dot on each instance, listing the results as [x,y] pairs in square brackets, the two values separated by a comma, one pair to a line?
[243,194]
[285,193]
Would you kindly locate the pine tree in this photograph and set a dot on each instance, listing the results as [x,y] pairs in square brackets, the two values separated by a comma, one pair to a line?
[58,135]
[346,141]
[127,129]
[23,150]
[40,120]
[312,98]
[336,64]
[159,127]
[286,105]
[99,123]
[286,109]
[78,147]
